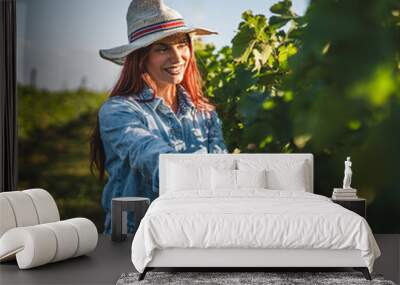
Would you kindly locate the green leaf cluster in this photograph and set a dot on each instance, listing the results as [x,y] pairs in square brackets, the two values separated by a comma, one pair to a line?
[245,80]
[327,83]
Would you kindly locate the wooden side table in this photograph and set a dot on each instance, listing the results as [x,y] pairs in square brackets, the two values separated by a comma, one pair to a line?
[358,205]
[119,216]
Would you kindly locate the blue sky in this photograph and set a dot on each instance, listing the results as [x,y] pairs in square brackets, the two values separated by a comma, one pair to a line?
[61,38]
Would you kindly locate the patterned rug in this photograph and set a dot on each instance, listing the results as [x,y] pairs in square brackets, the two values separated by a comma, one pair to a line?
[242,278]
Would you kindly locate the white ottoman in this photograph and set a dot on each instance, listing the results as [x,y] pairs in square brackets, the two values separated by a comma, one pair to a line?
[31,230]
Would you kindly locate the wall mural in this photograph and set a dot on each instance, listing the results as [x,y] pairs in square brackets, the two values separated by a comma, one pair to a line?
[325,82]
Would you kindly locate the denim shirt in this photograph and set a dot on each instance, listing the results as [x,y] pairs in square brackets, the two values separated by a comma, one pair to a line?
[134,134]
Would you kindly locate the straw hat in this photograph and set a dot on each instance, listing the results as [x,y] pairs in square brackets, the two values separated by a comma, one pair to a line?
[149,21]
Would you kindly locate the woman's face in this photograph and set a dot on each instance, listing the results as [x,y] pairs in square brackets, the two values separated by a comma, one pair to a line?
[167,59]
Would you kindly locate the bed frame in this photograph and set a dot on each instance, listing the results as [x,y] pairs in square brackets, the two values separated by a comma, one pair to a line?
[246,258]
[242,259]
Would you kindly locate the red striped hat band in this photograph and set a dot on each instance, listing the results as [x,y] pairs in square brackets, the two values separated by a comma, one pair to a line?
[162,26]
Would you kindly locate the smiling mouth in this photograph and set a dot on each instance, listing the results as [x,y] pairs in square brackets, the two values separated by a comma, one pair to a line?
[174,70]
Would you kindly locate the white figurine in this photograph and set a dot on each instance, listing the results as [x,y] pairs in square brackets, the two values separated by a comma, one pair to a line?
[347,174]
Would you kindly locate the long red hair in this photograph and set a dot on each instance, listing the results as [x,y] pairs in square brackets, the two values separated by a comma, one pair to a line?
[132,80]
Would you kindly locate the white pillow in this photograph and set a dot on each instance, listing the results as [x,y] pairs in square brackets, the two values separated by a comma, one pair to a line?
[286,174]
[183,177]
[223,179]
[251,178]
[226,179]
[292,179]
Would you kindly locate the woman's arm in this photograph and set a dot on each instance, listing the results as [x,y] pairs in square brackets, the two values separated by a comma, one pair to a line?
[215,137]
[123,128]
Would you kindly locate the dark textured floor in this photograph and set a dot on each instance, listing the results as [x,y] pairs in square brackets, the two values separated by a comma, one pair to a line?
[110,260]
[252,278]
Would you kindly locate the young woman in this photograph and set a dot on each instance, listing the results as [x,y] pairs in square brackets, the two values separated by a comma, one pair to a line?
[157,105]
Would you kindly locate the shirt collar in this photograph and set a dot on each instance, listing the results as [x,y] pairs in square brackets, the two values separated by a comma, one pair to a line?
[147,95]
[184,100]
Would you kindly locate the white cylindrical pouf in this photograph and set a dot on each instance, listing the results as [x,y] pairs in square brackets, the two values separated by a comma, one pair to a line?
[23,208]
[67,239]
[7,218]
[87,233]
[45,205]
[31,231]
[33,246]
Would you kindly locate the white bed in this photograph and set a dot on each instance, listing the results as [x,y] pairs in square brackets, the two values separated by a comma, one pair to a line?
[202,220]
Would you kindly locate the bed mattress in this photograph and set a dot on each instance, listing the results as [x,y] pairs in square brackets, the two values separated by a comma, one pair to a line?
[250,219]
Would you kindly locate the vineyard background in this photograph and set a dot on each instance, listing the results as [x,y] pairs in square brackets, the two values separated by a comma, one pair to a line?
[327,83]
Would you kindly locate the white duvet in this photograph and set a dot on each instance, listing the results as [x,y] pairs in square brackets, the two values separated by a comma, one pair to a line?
[252,218]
